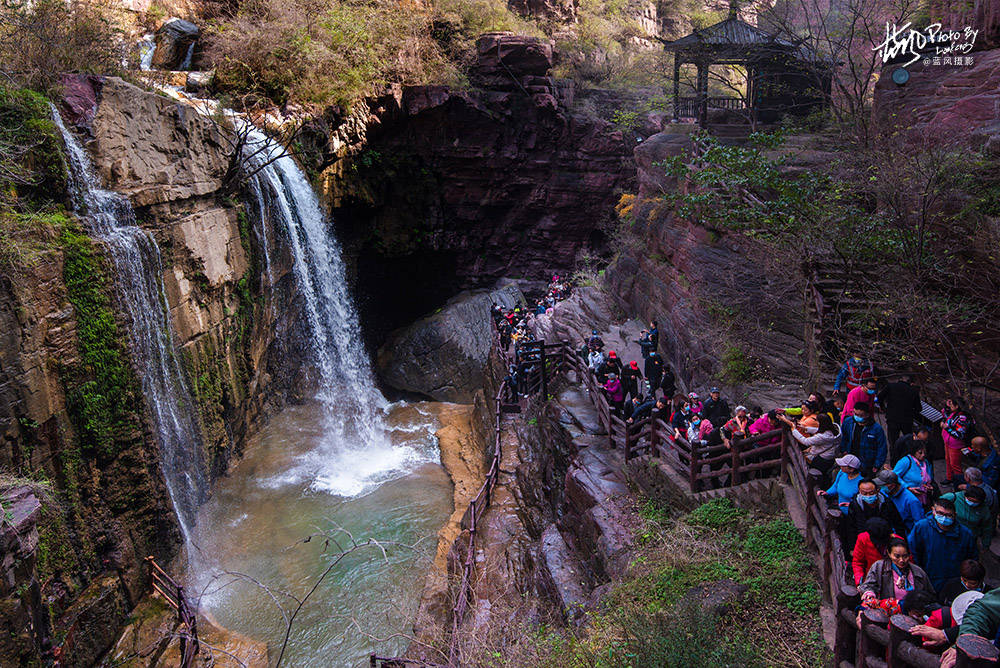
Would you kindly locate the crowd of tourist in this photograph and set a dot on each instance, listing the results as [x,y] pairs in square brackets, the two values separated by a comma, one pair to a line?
[911,546]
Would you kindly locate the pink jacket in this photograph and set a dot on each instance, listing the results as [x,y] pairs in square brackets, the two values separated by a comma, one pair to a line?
[857,395]
[761,426]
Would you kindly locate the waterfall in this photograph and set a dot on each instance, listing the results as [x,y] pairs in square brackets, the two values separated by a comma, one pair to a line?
[147,47]
[186,63]
[139,283]
[356,454]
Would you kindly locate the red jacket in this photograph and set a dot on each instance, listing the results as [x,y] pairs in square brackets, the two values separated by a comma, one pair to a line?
[865,555]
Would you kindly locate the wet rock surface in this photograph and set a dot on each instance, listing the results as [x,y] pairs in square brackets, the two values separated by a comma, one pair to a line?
[443,355]
[173,41]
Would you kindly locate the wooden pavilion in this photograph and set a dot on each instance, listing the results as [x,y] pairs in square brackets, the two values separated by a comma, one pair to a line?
[783,76]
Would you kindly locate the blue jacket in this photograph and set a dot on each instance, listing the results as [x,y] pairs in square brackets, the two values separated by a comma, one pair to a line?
[907,504]
[844,489]
[908,471]
[939,552]
[872,446]
[990,466]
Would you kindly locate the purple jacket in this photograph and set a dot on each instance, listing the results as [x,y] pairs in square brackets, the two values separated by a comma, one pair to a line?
[614,390]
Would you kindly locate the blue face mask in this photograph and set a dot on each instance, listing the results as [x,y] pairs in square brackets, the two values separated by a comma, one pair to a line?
[870,391]
[971,502]
[868,499]
[858,419]
[943,520]
[696,422]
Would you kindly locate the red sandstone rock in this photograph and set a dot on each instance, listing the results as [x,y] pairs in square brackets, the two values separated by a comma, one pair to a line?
[81,93]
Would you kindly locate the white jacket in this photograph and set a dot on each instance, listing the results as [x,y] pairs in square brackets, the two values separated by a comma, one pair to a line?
[822,444]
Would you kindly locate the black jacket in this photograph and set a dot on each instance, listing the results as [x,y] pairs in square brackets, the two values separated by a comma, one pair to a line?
[669,383]
[654,369]
[858,515]
[901,402]
[654,338]
[717,412]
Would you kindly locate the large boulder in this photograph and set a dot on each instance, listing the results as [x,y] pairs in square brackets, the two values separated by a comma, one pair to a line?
[444,355]
[941,101]
[503,60]
[174,40]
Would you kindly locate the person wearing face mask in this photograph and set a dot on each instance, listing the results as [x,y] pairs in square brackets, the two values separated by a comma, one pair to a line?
[845,484]
[864,438]
[940,544]
[973,513]
[853,373]
[953,429]
[895,576]
[971,577]
[864,393]
[909,507]
[868,504]
[916,473]
[987,460]
[904,444]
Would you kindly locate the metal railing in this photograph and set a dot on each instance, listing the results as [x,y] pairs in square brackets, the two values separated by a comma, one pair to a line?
[161,583]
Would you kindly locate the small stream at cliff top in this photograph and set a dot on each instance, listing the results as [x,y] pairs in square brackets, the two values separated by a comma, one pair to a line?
[346,461]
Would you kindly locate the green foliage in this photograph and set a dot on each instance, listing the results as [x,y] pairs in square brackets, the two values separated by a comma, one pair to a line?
[785,576]
[737,367]
[317,53]
[102,395]
[716,514]
[626,121]
[32,168]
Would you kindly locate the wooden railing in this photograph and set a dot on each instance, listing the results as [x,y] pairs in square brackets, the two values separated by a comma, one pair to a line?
[688,106]
[161,583]
[880,643]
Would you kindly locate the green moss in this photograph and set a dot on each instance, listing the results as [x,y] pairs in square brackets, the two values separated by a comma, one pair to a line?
[54,553]
[737,367]
[103,394]
[32,167]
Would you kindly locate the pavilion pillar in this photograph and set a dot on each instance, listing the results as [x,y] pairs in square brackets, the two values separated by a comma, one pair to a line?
[677,87]
[702,98]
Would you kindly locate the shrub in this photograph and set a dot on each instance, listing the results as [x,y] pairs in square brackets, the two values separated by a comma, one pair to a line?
[716,514]
[316,53]
[41,40]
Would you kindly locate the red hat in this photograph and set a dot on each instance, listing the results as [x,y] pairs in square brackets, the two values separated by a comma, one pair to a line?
[612,354]
[634,364]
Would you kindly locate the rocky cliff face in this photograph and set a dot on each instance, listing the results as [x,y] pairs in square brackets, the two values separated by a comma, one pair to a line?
[108,508]
[453,189]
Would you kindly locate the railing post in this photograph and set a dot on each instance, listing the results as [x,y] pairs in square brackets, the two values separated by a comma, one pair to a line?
[545,373]
[695,468]
[734,477]
[866,646]
[785,454]
[653,446]
[975,652]
[628,441]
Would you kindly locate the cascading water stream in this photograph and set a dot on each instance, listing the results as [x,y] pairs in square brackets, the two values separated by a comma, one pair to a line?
[139,283]
[356,454]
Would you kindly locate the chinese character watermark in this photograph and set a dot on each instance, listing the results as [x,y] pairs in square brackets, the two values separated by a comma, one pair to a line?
[949,46]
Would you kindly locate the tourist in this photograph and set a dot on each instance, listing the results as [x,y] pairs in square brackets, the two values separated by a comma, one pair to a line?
[614,364]
[852,373]
[974,478]
[697,405]
[940,544]
[669,383]
[916,473]
[821,447]
[645,343]
[895,576]
[986,459]
[835,406]
[865,393]
[737,428]
[594,360]
[953,431]
[904,444]
[845,484]
[971,577]
[641,411]
[616,395]
[871,546]
[973,513]
[681,418]
[631,376]
[654,371]
[595,342]
[901,402]
[699,429]
[868,503]
[909,506]
[862,437]
[943,626]
[716,408]
[654,336]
